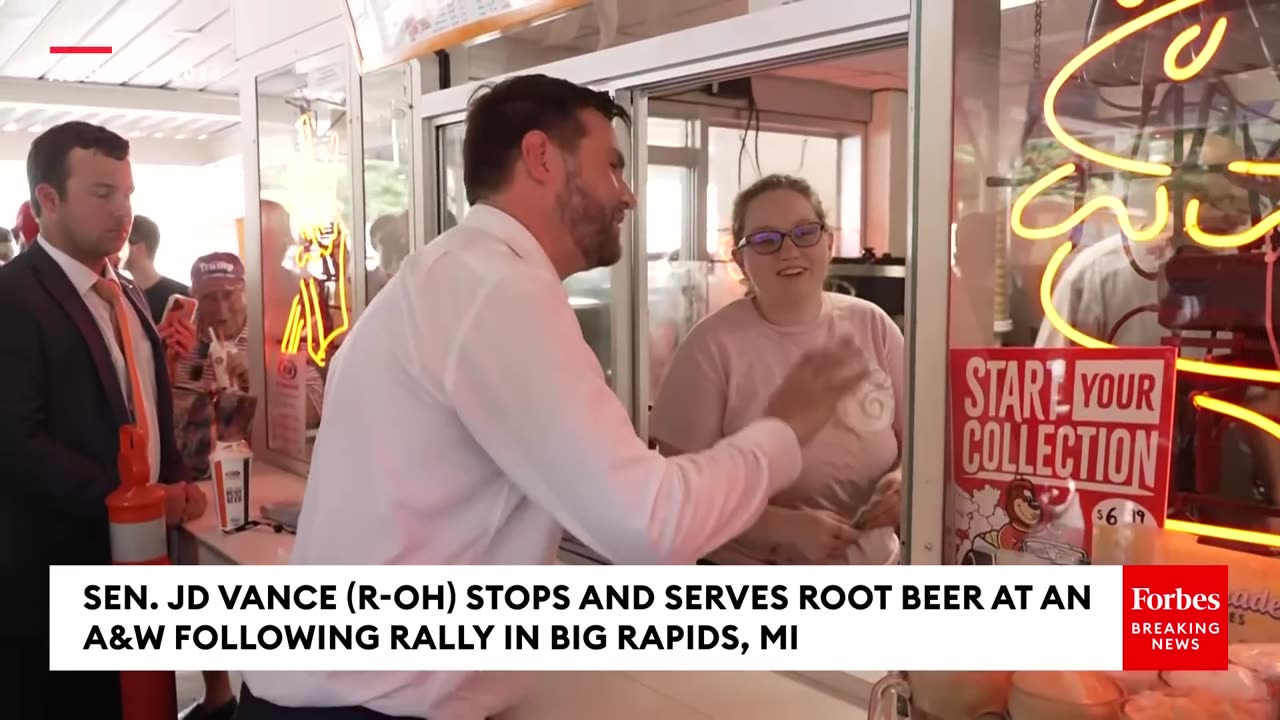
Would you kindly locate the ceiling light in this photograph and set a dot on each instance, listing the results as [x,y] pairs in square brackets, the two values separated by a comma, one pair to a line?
[180,136]
[158,135]
[10,127]
[202,137]
[34,129]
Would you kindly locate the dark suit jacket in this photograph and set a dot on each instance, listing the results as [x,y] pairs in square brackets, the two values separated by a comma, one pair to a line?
[61,408]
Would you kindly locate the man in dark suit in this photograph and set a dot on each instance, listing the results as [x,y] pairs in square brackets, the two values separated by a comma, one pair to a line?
[79,358]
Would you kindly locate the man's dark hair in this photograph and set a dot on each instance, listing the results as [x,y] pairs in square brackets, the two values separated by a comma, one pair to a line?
[145,232]
[47,158]
[499,119]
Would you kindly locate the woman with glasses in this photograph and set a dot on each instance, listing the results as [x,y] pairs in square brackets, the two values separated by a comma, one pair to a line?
[846,505]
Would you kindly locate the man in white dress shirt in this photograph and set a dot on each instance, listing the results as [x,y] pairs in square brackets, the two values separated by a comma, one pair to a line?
[467,422]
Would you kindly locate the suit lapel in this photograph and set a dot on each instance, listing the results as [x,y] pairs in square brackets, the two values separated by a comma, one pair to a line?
[59,286]
[143,311]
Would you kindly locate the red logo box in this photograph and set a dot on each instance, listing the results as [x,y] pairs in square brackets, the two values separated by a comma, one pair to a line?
[1175,617]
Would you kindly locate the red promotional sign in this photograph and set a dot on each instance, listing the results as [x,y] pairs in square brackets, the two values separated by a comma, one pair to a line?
[1048,442]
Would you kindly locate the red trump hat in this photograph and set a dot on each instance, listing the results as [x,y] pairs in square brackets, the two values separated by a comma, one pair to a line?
[216,270]
[26,227]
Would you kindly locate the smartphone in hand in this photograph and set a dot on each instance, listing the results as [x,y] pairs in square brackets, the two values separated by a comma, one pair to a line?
[183,306]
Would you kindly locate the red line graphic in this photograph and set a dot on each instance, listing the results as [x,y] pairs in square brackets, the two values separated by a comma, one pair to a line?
[80,49]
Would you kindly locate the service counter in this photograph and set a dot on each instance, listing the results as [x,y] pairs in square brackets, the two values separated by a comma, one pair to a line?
[570,696]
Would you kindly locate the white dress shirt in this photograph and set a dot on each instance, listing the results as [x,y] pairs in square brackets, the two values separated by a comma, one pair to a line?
[82,278]
[466,422]
[1099,286]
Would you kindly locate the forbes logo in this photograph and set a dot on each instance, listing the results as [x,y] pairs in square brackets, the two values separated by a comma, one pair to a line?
[1144,599]
[1175,617]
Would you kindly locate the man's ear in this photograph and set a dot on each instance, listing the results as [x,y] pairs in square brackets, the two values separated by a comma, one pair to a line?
[48,197]
[538,156]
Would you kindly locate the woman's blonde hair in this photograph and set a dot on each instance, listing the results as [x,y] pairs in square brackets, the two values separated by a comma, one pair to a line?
[767,184]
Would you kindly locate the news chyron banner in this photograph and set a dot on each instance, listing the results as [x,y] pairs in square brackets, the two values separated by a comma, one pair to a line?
[637,618]
[1047,443]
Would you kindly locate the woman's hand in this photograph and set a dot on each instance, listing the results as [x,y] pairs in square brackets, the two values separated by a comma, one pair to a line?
[820,536]
[885,507]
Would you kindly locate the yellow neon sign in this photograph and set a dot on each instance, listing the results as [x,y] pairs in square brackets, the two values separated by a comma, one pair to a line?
[321,239]
[1248,167]
[1251,537]
[306,315]
[1176,73]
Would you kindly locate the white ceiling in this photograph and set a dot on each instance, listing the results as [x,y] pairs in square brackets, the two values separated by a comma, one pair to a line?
[169,82]
[179,44]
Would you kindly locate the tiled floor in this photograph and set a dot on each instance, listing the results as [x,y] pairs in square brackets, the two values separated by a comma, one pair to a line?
[647,695]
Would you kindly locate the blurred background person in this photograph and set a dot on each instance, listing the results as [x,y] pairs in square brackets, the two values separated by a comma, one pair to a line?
[8,248]
[389,236]
[144,242]
[25,226]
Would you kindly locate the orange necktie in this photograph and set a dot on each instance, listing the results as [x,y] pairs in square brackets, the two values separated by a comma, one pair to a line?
[110,291]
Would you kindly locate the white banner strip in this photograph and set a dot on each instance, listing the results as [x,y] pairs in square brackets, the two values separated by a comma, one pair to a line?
[548,618]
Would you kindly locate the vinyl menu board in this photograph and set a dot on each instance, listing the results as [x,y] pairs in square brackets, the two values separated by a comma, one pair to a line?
[1048,443]
[386,32]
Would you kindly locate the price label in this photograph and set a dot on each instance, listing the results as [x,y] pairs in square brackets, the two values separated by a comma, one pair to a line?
[1118,511]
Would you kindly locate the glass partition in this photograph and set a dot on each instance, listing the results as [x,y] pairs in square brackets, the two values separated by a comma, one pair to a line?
[388,168]
[1111,202]
[1115,375]
[305,187]
[453,205]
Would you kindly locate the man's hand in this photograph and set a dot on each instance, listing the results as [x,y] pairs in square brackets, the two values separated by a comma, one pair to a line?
[815,385]
[177,333]
[197,503]
[175,503]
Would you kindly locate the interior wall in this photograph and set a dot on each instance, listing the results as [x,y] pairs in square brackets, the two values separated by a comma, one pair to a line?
[886,191]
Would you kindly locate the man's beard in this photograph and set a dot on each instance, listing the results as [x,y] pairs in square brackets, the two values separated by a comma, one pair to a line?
[590,224]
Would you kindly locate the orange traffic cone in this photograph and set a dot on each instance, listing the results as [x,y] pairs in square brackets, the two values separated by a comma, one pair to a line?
[135,511]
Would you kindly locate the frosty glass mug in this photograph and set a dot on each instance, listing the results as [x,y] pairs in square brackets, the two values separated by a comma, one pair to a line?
[949,695]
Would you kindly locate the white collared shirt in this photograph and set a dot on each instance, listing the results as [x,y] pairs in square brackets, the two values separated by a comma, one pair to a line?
[1099,288]
[466,421]
[82,278]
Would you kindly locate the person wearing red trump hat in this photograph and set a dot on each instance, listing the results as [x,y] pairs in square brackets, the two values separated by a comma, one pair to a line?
[217,284]
[26,227]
